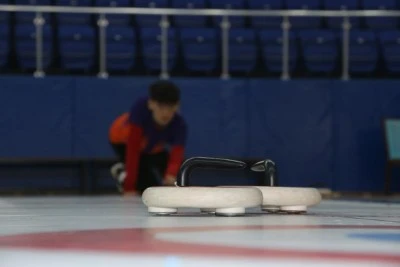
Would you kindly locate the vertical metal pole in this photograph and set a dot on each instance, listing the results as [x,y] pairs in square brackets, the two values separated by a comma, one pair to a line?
[285,48]
[164,24]
[102,23]
[39,22]
[345,48]
[225,25]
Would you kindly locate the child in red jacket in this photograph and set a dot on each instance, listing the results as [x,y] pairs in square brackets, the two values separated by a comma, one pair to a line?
[149,140]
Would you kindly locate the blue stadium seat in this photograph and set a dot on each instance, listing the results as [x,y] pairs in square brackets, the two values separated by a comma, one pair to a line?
[25,40]
[73,18]
[199,48]
[266,22]
[151,47]
[4,44]
[236,21]
[242,50]
[189,21]
[150,20]
[121,48]
[116,18]
[320,50]
[390,47]
[336,22]
[305,22]
[381,22]
[77,47]
[4,16]
[27,17]
[363,51]
[271,45]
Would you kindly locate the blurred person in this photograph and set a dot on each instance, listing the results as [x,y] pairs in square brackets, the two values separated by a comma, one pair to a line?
[149,140]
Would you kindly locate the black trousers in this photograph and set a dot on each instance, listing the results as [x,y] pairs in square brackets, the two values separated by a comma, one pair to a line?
[151,167]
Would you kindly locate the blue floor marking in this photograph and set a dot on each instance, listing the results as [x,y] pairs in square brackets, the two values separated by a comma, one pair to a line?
[391,237]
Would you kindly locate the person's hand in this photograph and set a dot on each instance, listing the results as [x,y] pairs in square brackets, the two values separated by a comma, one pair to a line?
[169,180]
[130,193]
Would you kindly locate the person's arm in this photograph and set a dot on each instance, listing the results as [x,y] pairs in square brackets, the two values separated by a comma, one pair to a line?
[133,146]
[174,163]
[176,155]
[132,157]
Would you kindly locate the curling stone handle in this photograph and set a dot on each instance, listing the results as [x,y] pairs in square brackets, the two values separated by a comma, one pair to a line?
[205,162]
[270,171]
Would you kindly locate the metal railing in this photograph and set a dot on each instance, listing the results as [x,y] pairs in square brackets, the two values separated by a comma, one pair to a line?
[102,23]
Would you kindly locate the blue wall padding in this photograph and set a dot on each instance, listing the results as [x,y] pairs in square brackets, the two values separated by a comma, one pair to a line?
[358,138]
[358,134]
[320,132]
[39,177]
[201,102]
[216,116]
[36,116]
[293,125]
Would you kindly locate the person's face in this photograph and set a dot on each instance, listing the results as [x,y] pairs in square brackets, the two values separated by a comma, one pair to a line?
[162,113]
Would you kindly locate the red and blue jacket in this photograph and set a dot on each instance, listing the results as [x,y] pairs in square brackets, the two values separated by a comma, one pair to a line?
[139,132]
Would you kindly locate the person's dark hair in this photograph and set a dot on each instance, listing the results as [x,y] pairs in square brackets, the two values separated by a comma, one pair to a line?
[164,92]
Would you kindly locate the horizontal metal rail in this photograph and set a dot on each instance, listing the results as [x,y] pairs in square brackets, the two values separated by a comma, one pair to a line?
[225,13]
[200,12]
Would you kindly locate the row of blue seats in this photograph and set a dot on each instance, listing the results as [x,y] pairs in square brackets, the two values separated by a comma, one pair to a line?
[200,50]
[202,21]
